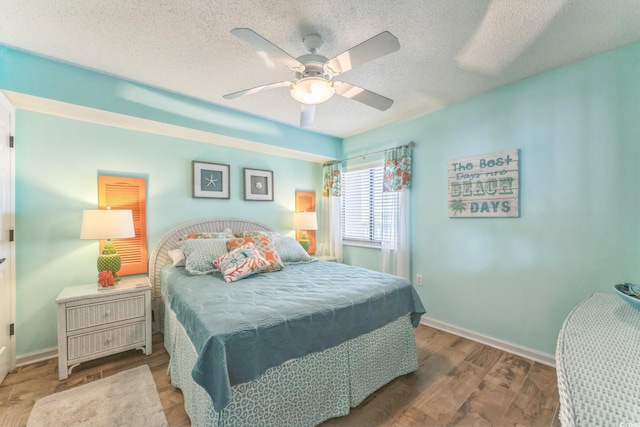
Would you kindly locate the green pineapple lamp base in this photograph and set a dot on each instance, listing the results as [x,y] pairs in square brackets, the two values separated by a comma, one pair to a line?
[110,260]
[304,241]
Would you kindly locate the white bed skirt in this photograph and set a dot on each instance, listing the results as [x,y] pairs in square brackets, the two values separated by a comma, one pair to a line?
[304,391]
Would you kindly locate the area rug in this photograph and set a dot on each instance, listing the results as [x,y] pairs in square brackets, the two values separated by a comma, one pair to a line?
[129,398]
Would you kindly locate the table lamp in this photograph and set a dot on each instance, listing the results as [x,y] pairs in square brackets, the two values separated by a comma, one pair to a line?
[304,221]
[107,224]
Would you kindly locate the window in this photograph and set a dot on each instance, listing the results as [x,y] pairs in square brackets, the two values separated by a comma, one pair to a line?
[363,205]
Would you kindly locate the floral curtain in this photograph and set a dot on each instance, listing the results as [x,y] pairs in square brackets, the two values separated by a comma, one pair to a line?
[331,180]
[397,168]
[395,221]
[331,233]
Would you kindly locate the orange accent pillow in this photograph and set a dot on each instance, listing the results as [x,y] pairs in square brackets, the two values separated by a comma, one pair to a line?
[265,246]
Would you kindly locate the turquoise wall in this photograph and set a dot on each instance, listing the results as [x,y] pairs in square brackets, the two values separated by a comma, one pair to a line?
[57,164]
[577,129]
[35,75]
[516,279]
[58,161]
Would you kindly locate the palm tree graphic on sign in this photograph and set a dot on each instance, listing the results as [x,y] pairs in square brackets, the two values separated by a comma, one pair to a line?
[457,206]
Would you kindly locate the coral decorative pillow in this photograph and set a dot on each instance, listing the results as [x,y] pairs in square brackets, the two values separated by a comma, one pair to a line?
[266,247]
[273,235]
[240,263]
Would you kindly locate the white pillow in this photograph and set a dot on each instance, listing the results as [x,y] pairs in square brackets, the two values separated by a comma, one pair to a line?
[178,257]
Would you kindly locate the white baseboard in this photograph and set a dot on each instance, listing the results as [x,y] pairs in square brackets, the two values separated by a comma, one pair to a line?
[36,356]
[526,352]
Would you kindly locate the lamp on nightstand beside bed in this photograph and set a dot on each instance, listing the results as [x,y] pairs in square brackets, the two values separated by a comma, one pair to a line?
[303,222]
[107,224]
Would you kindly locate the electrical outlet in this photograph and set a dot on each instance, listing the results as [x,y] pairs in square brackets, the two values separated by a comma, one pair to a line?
[418,279]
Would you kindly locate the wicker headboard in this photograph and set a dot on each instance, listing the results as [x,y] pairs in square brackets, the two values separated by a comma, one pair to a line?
[169,241]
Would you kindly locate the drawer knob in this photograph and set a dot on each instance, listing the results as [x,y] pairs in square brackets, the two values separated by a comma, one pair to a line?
[109,339]
[107,313]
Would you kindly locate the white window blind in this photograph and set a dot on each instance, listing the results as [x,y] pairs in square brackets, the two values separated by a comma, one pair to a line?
[364,205]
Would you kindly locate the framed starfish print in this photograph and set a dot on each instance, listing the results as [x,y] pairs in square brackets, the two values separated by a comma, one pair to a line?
[210,180]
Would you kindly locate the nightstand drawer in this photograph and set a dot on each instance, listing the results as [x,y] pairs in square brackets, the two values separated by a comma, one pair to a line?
[86,316]
[104,340]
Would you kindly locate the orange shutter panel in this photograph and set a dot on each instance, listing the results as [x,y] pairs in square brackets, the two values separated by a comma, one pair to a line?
[120,192]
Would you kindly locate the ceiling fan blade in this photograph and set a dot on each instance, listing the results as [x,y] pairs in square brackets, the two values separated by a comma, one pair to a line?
[374,48]
[268,51]
[364,96]
[307,114]
[254,90]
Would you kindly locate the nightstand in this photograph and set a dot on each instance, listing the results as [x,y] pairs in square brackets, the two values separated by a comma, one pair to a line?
[325,258]
[94,323]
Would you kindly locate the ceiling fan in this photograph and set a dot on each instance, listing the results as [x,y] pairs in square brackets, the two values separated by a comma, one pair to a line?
[313,74]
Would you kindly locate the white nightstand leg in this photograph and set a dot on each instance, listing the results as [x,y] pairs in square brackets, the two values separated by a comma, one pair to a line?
[149,340]
[63,374]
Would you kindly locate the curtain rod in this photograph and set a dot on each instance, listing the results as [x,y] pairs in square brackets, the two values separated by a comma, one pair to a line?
[362,156]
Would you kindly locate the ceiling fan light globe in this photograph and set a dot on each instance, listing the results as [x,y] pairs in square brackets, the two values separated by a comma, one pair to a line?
[312,90]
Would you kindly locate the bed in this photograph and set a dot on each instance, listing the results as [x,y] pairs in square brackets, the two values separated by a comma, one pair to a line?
[291,347]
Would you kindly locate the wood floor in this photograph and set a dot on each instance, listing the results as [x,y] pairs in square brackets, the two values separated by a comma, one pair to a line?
[458,383]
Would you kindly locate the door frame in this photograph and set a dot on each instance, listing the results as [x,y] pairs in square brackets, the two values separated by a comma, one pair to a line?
[12,221]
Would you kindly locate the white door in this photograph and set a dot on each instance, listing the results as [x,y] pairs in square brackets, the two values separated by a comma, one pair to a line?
[7,352]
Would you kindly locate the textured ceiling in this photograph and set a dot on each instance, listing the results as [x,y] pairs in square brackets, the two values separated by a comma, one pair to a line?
[450,49]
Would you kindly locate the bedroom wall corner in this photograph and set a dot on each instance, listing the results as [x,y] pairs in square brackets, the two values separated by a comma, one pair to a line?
[516,279]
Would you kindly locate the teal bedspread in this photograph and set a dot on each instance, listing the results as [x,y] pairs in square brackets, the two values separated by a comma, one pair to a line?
[241,329]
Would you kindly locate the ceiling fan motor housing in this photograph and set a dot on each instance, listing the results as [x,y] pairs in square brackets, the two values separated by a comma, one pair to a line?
[313,67]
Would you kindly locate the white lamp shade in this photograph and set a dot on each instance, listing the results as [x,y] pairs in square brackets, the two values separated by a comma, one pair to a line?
[312,90]
[106,224]
[305,221]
